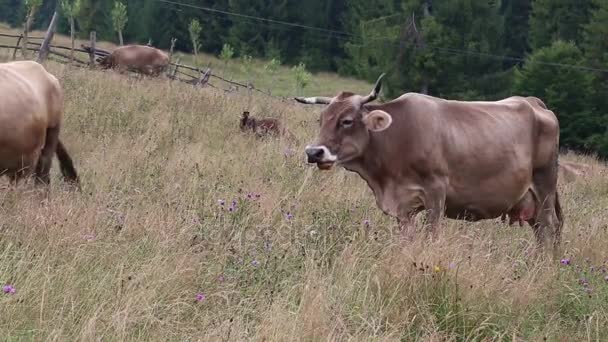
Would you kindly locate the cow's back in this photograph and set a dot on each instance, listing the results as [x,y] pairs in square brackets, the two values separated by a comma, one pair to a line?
[481,148]
[139,56]
[31,100]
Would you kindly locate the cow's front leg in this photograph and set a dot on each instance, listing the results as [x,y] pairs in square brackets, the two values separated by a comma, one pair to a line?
[435,206]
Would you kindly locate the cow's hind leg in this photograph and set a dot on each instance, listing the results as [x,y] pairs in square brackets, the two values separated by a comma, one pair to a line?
[45,160]
[547,222]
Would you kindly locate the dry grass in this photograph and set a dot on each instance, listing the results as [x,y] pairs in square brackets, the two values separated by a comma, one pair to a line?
[124,259]
[282,83]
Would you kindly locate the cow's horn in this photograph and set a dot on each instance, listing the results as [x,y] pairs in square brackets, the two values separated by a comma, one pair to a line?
[314,100]
[374,94]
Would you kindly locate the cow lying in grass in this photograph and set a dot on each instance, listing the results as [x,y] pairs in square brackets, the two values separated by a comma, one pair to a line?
[262,127]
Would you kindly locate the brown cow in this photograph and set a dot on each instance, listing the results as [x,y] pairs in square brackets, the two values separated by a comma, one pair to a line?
[31,106]
[464,160]
[262,127]
[140,58]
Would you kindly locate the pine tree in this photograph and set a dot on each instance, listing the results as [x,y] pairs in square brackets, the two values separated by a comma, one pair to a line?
[517,16]
[95,16]
[595,45]
[552,20]
[565,91]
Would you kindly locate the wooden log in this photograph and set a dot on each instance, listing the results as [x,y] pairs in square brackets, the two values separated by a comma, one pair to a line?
[19,36]
[48,37]
[186,74]
[93,37]
[18,46]
[61,47]
[204,78]
[67,57]
[173,41]
[98,51]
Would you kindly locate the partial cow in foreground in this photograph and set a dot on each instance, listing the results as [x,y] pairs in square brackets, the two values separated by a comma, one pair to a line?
[31,109]
[140,58]
[464,160]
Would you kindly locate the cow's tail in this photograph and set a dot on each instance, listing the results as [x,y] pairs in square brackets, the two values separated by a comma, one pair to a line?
[558,207]
[66,164]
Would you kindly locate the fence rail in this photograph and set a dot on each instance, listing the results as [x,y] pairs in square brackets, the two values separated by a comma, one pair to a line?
[200,78]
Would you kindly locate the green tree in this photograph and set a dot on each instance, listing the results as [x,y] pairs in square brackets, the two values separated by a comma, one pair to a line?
[70,10]
[443,54]
[95,15]
[595,45]
[31,7]
[226,55]
[516,16]
[565,91]
[119,19]
[557,19]
[12,11]
[301,77]
[194,28]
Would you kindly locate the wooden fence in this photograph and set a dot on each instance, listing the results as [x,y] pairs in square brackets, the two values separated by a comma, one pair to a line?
[176,70]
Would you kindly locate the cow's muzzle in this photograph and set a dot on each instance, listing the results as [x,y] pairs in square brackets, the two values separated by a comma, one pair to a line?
[321,156]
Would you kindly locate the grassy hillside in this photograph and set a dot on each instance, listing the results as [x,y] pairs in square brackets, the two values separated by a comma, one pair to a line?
[282,83]
[151,251]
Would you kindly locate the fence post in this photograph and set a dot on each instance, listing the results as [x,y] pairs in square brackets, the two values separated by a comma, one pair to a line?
[48,37]
[173,40]
[92,52]
[175,70]
[17,46]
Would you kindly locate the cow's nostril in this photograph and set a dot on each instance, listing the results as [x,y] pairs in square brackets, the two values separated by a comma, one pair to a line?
[314,154]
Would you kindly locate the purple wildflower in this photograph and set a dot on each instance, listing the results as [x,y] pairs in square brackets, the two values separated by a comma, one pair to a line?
[366,223]
[221,278]
[583,282]
[289,216]
[221,202]
[200,297]
[255,263]
[231,209]
[250,195]
[8,289]
[452,265]
[565,261]
[89,237]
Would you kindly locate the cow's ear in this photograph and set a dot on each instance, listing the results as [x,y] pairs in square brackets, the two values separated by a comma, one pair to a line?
[377,120]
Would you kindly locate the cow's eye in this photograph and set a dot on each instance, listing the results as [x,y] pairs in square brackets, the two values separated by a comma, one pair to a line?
[346,123]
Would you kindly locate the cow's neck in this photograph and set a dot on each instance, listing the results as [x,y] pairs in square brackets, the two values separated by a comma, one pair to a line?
[372,169]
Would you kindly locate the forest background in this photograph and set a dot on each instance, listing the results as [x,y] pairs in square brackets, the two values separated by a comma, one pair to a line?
[556,50]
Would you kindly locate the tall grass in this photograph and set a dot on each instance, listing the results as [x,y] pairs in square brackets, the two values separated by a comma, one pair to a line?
[293,260]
